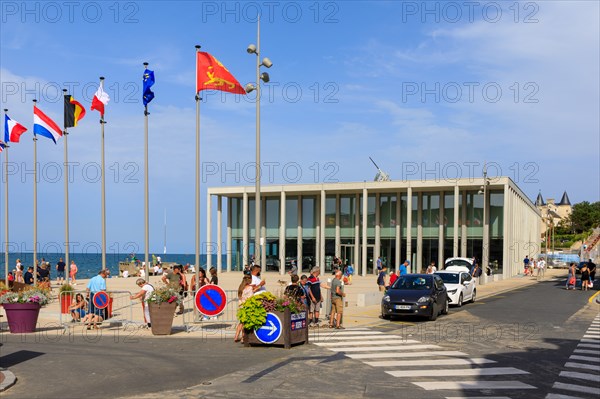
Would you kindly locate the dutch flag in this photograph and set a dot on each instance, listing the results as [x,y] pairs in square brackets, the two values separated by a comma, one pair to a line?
[44,126]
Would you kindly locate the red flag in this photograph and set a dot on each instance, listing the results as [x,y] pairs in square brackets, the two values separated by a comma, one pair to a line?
[212,75]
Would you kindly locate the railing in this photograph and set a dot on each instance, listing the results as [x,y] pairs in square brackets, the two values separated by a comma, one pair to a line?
[119,310]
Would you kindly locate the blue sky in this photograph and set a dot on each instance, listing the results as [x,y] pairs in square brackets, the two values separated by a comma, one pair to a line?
[412,84]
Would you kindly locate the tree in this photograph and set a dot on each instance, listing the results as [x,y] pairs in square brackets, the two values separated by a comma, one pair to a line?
[585,216]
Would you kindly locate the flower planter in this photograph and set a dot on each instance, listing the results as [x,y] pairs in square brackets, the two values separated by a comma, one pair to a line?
[294,330]
[161,317]
[22,317]
[65,302]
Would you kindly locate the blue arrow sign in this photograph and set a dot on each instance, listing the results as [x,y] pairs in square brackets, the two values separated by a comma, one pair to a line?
[269,332]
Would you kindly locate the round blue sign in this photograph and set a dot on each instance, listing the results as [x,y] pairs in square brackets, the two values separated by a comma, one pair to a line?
[100,300]
[269,332]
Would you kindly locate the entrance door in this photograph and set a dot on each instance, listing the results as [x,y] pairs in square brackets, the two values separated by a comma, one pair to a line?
[348,254]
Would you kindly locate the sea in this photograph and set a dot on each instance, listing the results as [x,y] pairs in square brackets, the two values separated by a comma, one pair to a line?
[88,264]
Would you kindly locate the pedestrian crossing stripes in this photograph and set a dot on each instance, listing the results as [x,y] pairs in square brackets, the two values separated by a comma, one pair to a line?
[410,359]
[581,376]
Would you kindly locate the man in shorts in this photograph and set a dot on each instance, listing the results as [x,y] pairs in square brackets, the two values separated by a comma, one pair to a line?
[337,301]
[315,299]
[60,271]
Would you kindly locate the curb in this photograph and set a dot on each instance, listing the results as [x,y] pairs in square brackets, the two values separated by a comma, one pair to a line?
[515,287]
[9,380]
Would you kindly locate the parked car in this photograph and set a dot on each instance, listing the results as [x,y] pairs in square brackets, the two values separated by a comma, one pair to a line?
[466,262]
[415,295]
[459,284]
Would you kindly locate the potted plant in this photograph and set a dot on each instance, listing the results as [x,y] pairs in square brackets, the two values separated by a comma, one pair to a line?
[65,297]
[23,308]
[253,315]
[162,304]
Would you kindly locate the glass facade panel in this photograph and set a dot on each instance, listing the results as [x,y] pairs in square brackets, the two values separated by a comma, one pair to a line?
[291,219]
[448,215]
[330,216]
[309,217]
[387,215]
[431,214]
[403,218]
[496,214]
[415,214]
[347,215]
[474,214]
[430,252]
[251,223]
[236,217]
[272,217]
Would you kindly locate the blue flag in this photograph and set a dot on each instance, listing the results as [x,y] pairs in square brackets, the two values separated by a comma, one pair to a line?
[147,94]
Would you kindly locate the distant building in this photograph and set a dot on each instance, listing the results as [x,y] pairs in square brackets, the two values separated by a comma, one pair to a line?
[553,213]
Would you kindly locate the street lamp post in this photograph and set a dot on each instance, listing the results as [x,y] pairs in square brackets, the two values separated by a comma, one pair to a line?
[486,238]
[255,49]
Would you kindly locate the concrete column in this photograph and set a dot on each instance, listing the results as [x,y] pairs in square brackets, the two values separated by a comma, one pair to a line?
[219,233]
[419,265]
[365,208]
[485,248]
[377,249]
[456,221]
[357,259]
[229,234]
[299,242]
[282,227]
[245,241]
[209,249]
[409,227]
[322,223]
[506,272]
[463,230]
[338,239]
[398,231]
[441,254]
[263,232]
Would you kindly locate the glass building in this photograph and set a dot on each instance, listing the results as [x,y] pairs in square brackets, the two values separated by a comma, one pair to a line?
[422,221]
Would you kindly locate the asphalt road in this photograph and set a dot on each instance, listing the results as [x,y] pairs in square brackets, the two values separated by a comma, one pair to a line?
[514,345]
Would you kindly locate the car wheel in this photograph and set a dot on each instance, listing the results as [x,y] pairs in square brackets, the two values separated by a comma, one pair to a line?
[434,313]
[473,296]
[460,300]
[386,316]
[447,306]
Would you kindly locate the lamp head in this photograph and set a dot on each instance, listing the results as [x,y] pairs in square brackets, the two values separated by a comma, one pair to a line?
[249,88]
[265,77]
[251,49]
[267,62]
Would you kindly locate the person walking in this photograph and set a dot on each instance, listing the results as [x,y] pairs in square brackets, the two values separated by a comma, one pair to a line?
[585,277]
[144,295]
[214,279]
[315,299]
[337,301]
[60,270]
[526,265]
[592,269]
[404,267]
[571,279]
[380,279]
[73,273]
[379,265]
[541,265]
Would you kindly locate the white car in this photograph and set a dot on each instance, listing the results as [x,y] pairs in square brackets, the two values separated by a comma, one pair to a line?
[459,285]
[463,262]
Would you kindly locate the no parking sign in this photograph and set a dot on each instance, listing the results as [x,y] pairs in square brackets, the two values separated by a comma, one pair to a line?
[210,300]
[100,300]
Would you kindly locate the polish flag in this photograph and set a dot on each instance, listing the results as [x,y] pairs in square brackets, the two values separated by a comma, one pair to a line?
[100,99]
[12,130]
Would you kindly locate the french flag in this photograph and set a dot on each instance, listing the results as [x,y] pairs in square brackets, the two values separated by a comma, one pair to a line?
[44,126]
[12,130]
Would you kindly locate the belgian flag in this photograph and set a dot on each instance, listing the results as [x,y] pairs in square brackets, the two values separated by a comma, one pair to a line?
[74,111]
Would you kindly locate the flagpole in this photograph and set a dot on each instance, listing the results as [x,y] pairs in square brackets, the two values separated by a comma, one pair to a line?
[197,258]
[6,207]
[34,203]
[65,133]
[103,183]
[146,205]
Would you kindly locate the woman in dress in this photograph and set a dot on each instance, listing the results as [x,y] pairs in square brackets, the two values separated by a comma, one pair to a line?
[19,272]
[73,272]
[245,291]
[585,277]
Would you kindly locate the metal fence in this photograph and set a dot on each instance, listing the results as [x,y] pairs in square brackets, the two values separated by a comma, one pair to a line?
[119,312]
[222,324]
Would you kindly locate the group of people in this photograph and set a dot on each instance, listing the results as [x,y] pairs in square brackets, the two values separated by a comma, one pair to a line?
[305,290]
[83,308]
[42,275]
[533,266]
[588,275]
